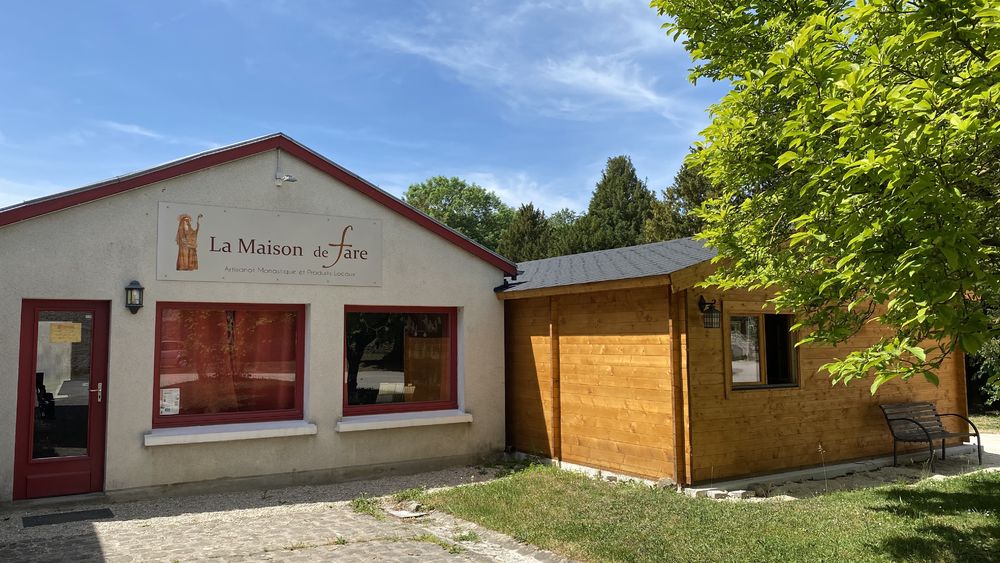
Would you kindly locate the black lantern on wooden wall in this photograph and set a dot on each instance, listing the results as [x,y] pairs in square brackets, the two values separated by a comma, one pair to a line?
[711,316]
[133,296]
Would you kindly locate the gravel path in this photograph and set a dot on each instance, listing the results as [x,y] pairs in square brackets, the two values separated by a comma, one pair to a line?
[314,523]
[953,465]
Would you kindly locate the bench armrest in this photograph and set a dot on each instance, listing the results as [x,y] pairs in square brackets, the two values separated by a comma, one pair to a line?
[972,424]
[920,426]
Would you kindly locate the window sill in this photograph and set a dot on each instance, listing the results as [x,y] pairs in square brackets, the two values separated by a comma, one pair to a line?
[228,432]
[402,420]
[759,387]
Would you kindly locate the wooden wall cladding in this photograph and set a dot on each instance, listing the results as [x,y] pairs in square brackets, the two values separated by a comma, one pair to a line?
[615,381]
[604,395]
[529,377]
[613,375]
[763,430]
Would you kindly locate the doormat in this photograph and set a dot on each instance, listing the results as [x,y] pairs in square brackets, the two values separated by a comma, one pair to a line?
[64,517]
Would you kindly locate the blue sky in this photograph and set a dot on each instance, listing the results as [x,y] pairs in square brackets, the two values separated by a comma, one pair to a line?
[528,98]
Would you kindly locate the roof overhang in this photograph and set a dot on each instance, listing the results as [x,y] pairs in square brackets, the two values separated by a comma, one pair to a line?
[678,281]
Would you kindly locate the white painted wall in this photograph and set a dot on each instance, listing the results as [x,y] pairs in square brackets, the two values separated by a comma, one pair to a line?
[94,250]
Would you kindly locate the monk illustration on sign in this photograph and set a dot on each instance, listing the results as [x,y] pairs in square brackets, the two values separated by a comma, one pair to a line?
[187,243]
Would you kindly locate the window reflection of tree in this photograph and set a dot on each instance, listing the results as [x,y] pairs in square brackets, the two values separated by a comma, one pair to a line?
[227,348]
[376,340]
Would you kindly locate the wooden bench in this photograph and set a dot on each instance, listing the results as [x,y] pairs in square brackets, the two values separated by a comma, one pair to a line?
[920,422]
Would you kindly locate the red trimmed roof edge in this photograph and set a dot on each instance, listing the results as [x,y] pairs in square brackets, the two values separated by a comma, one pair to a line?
[223,155]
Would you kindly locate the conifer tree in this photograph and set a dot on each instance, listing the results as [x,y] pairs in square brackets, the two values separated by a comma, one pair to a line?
[564,232]
[673,217]
[618,208]
[528,235]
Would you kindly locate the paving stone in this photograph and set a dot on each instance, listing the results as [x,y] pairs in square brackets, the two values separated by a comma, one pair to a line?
[285,533]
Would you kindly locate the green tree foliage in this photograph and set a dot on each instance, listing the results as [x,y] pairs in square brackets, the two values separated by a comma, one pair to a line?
[563,228]
[983,369]
[468,208]
[864,137]
[984,366]
[618,208]
[673,216]
[528,237]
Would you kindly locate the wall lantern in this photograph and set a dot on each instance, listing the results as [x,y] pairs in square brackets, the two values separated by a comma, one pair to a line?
[279,177]
[133,296]
[711,316]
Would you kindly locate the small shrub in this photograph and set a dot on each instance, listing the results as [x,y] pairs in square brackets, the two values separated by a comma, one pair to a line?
[468,535]
[366,504]
[415,493]
[511,466]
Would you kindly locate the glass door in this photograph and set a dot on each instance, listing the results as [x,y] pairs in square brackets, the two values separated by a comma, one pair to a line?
[61,407]
[63,367]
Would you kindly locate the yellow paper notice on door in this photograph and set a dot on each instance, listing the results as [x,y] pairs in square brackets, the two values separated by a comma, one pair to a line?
[65,332]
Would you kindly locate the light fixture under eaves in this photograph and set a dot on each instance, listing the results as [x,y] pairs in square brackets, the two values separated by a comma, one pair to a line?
[711,317]
[279,177]
[278,180]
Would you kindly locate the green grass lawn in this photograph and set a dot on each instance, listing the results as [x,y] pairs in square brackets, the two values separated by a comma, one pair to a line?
[987,422]
[952,520]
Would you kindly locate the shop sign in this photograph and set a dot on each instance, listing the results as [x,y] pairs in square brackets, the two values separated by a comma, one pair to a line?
[226,244]
[65,333]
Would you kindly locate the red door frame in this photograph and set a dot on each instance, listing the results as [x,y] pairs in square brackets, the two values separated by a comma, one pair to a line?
[60,476]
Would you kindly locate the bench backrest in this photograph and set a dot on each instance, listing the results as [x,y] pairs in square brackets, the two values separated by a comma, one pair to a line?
[924,413]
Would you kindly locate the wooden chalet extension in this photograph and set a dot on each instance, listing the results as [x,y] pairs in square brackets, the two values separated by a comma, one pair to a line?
[609,365]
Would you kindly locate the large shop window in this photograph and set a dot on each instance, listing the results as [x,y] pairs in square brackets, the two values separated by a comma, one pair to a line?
[399,359]
[762,350]
[227,363]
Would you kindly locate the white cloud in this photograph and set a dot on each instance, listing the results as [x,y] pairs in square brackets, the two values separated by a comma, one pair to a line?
[140,131]
[557,58]
[610,79]
[467,58]
[130,129]
[518,188]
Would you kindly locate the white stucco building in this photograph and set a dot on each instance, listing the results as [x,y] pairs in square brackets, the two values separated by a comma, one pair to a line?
[289,332]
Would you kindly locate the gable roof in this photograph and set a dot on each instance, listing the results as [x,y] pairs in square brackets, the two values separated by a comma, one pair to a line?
[223,155]
[631,262]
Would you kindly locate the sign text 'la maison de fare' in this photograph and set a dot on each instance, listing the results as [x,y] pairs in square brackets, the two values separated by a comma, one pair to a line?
[226,244]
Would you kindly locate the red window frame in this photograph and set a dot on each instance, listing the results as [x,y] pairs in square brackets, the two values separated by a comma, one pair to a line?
[450,403]
[176,420]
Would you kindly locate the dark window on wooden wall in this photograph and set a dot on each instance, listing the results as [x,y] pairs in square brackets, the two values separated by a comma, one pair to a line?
[761,351]
[780,350]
